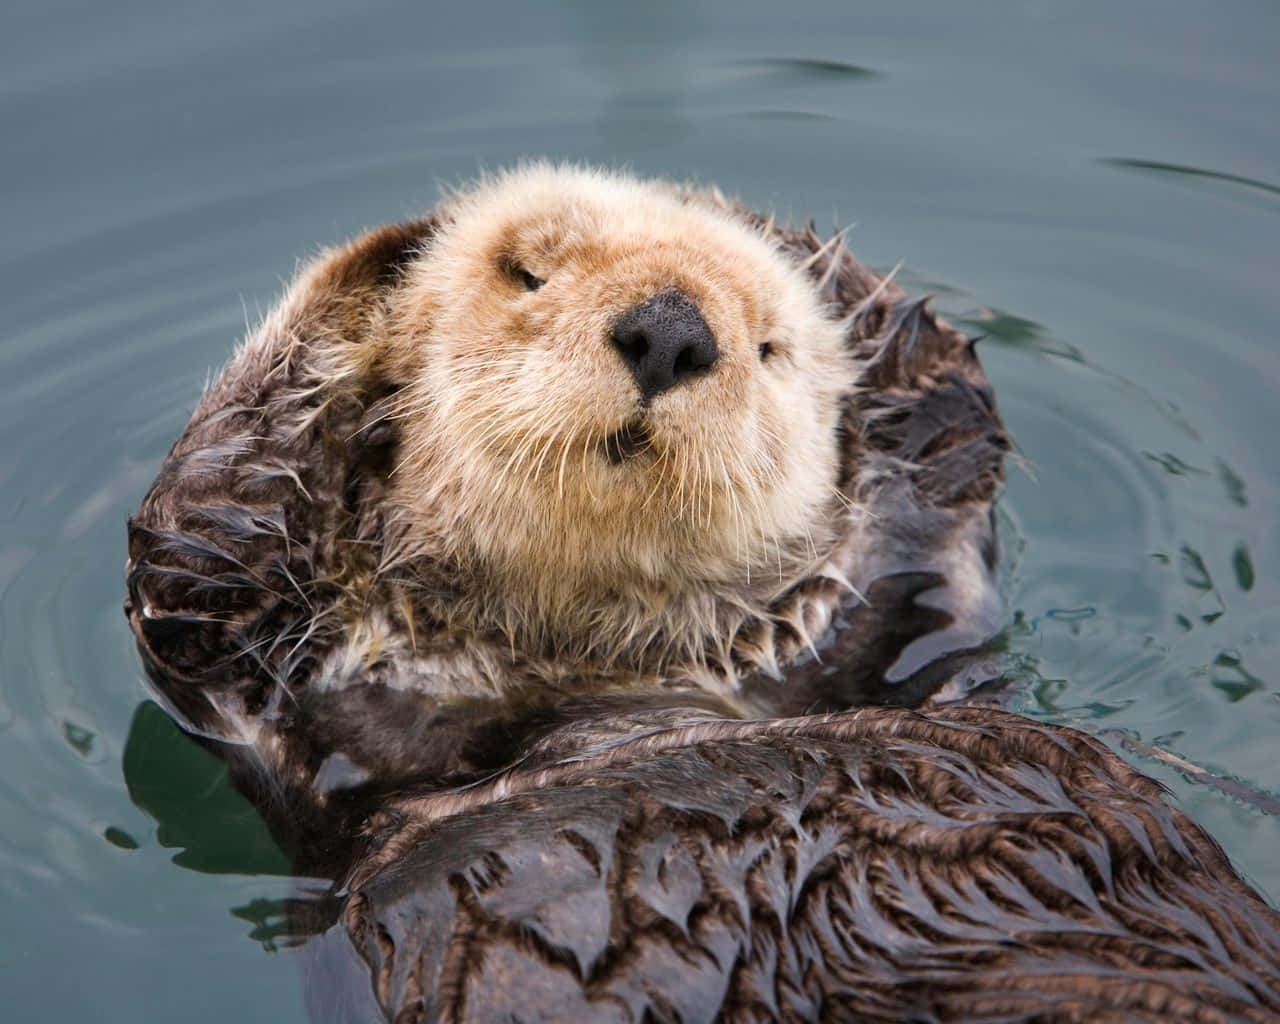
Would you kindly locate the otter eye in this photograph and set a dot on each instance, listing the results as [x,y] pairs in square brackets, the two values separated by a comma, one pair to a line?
[528,280]
[767,351]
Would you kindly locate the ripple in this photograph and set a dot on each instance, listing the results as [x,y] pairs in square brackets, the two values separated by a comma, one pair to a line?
[160,168]
[806,69]
[786,115]
[1009,330]
[1240,186]
[1134,584]
[100,369]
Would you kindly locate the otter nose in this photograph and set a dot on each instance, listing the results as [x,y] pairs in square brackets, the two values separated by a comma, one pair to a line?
[664,341]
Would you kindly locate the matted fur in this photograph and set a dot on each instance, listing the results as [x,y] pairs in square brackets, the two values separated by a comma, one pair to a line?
[879,865]
[486,674]
[400,481]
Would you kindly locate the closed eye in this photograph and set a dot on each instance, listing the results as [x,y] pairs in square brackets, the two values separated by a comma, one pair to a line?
[509,265]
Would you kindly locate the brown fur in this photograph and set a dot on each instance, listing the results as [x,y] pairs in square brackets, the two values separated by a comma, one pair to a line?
[324,521]
[880,866]
[494,680]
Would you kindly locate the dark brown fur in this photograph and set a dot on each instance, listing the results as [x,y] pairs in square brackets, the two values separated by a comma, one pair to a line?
[879,865]
[255,523]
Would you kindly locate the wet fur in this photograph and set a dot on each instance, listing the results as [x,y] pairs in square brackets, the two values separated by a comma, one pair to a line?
[270,567]
[878,865]
[648,563]
[581,823]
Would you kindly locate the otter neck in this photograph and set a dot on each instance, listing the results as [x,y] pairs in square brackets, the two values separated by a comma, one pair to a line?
[614,620]
[635,577]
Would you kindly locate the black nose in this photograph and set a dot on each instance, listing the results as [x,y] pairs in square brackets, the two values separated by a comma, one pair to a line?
[664,341]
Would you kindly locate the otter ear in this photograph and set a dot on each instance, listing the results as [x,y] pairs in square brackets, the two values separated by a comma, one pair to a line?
[375,260]
[344,291]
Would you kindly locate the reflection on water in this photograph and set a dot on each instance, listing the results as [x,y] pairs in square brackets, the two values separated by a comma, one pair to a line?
[185,789]
[1110,225]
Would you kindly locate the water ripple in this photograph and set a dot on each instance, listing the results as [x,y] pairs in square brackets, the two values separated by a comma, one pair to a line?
[1238,182]
[806,69]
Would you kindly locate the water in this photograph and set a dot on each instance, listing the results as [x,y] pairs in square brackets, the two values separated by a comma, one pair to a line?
[1095,186]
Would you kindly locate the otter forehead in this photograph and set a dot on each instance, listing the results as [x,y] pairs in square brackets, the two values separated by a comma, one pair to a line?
[632,238]
[562,206]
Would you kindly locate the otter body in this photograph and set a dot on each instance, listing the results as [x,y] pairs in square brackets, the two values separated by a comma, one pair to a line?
[582,463]
[574,436]
[877,865]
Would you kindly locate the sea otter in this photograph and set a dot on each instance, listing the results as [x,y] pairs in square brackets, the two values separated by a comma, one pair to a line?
[526,524]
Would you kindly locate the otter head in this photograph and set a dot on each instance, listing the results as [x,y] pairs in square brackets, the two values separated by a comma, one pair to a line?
[619,412]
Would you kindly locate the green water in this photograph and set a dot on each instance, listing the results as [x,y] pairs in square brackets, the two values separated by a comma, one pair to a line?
[1095,185]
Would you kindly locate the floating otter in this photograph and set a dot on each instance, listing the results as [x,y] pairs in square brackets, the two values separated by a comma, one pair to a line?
[548,508]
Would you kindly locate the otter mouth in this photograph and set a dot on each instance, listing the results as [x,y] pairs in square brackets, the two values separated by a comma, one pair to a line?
[627,443]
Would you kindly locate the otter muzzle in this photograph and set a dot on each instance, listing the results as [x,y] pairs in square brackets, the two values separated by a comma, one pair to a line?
[664,341]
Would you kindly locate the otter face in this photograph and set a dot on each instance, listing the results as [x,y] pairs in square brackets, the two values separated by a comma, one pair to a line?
[613,384]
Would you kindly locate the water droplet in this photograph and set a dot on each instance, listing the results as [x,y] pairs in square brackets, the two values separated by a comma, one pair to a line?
[119,837]
[1229,675]
[1233,485]
[1243,566]
[79,737]
[1194,572]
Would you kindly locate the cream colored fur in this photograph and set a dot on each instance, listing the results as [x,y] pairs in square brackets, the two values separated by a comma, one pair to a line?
[503,482]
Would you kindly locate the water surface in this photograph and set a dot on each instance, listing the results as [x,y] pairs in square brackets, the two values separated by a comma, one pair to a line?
[1096,187]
